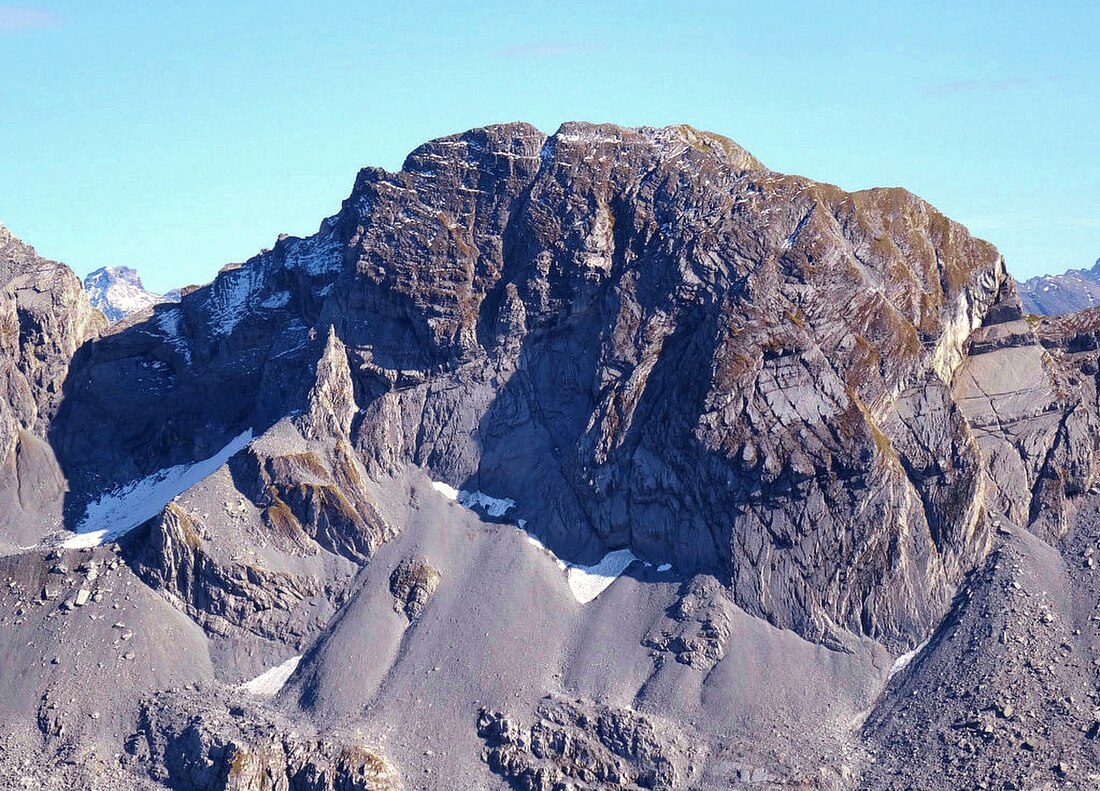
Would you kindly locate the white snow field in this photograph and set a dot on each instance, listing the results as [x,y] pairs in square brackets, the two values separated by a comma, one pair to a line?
[120,511]
[905,659]
[585,582]
[448,491]
[268,683]
[588,582]
[493,506]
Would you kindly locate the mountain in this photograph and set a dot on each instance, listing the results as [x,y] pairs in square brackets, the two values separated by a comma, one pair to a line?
[44,319]
[118,292]
[606,459]
[1051,295]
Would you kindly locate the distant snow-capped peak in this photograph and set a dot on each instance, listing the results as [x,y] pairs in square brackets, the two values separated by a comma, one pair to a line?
[1050,295]
[118,292]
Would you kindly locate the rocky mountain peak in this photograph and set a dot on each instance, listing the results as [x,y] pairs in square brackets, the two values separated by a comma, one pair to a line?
[1051,295]
[45,318]
[331,400]
[612,440]
[15,255]
[686,332]
[118,292]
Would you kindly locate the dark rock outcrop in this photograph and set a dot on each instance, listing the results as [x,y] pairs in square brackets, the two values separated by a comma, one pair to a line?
[213,743]
[698,626]
[412,583]
[574,745]
[44,319]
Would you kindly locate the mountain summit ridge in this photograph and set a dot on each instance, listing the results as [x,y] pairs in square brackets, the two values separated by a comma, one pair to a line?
[118,292]
[1074,289]
[628,244]
[768,427]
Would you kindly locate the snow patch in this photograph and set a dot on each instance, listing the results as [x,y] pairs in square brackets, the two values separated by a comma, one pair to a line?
[317,255]
[230,296]
[905,660]
[268,683]
[120,511]
[170,323]
[493,506]
[450,492]
[561,564]
[585,582]
[588,582]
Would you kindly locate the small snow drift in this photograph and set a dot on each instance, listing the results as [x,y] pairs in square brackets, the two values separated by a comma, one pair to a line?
[120,511]
[268,683]
[588,582]
[585,582]
[905,660]
[448,491]
[492,506]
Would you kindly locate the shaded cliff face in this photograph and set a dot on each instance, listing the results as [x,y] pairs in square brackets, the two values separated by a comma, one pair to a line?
[44,318]
[645,339]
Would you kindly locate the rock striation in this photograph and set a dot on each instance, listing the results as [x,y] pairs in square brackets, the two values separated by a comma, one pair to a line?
[658,344]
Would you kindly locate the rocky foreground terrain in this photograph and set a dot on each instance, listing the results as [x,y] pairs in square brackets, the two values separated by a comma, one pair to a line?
[609,459]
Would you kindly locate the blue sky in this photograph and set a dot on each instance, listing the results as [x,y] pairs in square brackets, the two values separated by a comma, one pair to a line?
[177,137]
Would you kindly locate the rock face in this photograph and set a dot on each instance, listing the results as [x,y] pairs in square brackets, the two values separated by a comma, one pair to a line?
[657,342]
[224,746]
[44,319]
[570,745]
[412,584]
[1051,295]
[117,292]
[802,418]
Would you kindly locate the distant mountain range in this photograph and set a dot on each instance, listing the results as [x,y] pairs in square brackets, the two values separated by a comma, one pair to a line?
[1051,295]
[118,292]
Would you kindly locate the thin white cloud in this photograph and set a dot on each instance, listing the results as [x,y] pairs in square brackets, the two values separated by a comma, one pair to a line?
[548,49]
[985,86]
[18,18]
